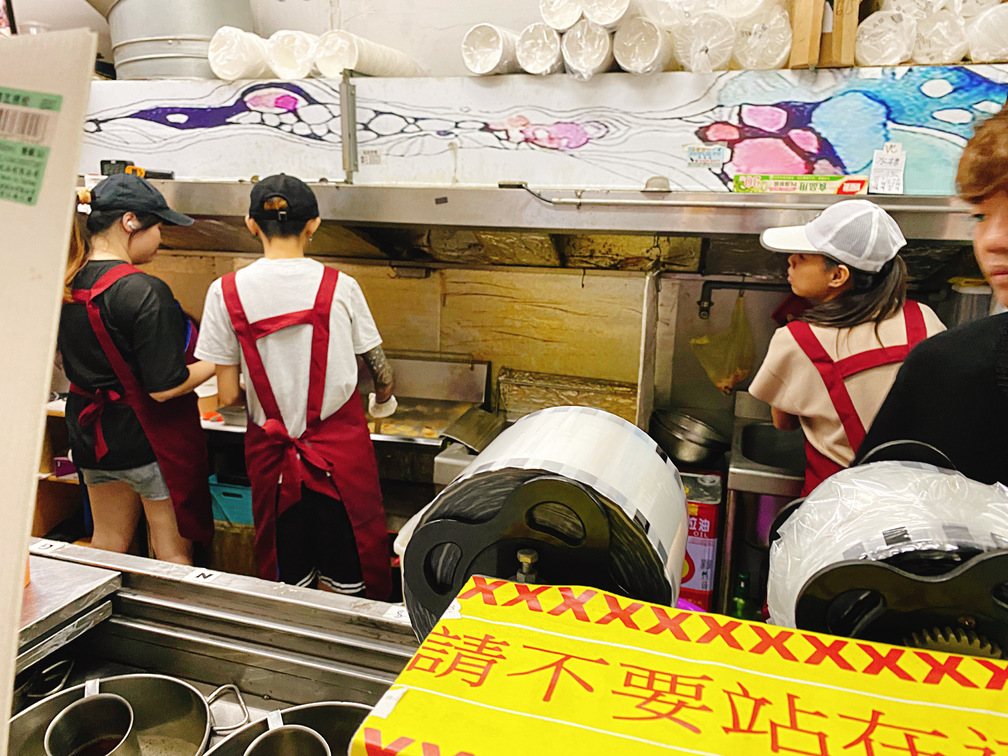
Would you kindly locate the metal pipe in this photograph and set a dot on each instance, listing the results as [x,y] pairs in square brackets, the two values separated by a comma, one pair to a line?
[718,203]
[705,302]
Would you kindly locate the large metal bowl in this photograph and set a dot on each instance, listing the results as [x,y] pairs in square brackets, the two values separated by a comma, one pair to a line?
[171,717]
[686,439]
[336,722]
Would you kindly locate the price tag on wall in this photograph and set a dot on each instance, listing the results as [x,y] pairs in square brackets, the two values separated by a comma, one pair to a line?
[886,175]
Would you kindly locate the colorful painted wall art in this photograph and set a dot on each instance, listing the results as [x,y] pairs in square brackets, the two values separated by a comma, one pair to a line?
[614,131]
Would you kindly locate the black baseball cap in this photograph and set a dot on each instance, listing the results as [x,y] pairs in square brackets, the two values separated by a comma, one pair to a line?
[130,193]
[301,202]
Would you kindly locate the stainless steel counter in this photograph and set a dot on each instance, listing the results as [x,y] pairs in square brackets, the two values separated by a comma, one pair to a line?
[61,602]
[272,640]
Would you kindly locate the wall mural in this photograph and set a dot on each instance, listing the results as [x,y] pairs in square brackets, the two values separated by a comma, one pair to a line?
[614,131]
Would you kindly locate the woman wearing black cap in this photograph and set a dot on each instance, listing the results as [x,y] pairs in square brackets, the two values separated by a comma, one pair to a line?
[293,328]
[132,420]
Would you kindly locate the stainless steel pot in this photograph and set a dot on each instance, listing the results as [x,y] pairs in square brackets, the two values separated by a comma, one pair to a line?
[686,439]
[169,714]
[336,722]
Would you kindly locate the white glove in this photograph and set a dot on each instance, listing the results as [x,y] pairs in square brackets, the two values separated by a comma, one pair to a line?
[381,409]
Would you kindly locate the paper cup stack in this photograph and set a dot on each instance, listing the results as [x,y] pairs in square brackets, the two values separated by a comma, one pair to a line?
[538,49]
[291,53]
[885,38]
[237,54]
[337,51]
[763,40]
[641,46]
[988,36]
[561,14]
[587,49]
[705,43]
[489,49]
[610,14]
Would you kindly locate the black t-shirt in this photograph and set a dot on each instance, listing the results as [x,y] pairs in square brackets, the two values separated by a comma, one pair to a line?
[952,392]
[149,329]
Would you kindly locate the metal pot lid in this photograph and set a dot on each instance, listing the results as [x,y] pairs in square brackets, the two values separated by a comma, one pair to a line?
[689,428]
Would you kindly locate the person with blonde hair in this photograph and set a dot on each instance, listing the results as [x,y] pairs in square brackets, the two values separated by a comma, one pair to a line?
[952,391]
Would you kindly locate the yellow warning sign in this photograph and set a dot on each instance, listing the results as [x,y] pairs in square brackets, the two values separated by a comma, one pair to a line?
[518,669]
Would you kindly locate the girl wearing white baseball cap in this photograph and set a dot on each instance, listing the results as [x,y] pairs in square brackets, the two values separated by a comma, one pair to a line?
[830,369]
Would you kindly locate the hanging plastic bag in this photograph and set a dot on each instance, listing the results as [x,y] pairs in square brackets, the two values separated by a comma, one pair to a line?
[727,357]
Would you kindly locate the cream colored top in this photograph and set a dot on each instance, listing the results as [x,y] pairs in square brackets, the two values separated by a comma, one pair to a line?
[789,381]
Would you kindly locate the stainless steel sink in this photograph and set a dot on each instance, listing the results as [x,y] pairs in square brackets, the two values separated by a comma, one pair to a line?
[765,460]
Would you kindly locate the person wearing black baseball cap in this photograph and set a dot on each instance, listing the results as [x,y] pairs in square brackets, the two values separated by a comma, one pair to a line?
[132,418]
[293,328]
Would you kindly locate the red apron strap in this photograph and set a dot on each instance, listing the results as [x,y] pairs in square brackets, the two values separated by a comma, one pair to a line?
[818,467]
[320,345]
[832,378]
[916,329]
[247,340]
[266,326]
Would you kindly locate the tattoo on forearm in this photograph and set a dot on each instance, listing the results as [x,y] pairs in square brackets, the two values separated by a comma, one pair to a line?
[380,369]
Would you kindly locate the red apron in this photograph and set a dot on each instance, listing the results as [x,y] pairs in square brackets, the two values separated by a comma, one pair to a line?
[818,466]
[172,427]
[334,456]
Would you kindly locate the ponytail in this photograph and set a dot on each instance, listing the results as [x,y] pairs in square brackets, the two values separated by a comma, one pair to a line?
[78,253]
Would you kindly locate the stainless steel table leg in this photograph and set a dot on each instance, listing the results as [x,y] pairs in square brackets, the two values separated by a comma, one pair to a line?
[727,547]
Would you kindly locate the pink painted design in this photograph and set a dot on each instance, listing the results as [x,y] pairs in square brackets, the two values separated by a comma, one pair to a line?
[767,155]
[766,117]
[825,168]
[276,101]
[563,135]
[805,139]
[722,132]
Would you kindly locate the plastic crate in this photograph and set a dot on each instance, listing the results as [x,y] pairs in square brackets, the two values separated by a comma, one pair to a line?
[231,503]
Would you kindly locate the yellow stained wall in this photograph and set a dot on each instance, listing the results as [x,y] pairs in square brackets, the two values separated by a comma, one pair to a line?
[569,323]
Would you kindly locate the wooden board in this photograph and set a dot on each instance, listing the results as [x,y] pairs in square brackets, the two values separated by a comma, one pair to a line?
[806,30]
[836,48]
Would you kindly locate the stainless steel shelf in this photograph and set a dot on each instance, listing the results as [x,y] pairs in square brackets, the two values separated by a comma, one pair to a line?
[688,213]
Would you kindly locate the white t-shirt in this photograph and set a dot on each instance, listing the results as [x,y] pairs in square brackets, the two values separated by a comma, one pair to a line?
[268,288]
[789,381]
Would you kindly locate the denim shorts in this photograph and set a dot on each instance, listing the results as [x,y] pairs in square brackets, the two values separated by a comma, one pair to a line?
[146,480]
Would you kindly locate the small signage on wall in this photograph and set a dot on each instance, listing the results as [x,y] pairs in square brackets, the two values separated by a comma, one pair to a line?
[887,170]
[710,156]
[752,183]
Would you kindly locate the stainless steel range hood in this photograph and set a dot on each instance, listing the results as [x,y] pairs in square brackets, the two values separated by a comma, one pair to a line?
[221,205]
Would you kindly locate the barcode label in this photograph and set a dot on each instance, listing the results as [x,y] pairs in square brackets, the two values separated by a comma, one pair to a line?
[24,124]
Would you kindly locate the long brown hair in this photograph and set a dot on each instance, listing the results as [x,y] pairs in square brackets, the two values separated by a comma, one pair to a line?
[873,297]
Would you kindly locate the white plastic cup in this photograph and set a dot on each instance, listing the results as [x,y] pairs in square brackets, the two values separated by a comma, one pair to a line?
[610,13]
[941,39]
[763,41]
[705,43]
[561,14]
[489,49]
[237,54]
[988,36]
[337,51]
[587,49]
[973,8]
[538,49]
[885,38]
[290,53]
[641,47]
[673,14]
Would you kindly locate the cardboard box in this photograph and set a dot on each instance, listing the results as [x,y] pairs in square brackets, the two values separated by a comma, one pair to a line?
[806,30]
[839,30]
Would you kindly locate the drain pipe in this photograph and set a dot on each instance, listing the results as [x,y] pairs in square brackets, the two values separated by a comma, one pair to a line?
[705,302]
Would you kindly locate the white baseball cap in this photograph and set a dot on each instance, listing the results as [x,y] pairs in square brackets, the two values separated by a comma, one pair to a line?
[855,232]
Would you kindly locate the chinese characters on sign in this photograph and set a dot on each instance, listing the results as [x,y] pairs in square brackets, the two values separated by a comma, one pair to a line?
[604,674]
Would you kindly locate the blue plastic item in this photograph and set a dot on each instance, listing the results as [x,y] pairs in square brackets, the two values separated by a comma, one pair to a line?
[231,504]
